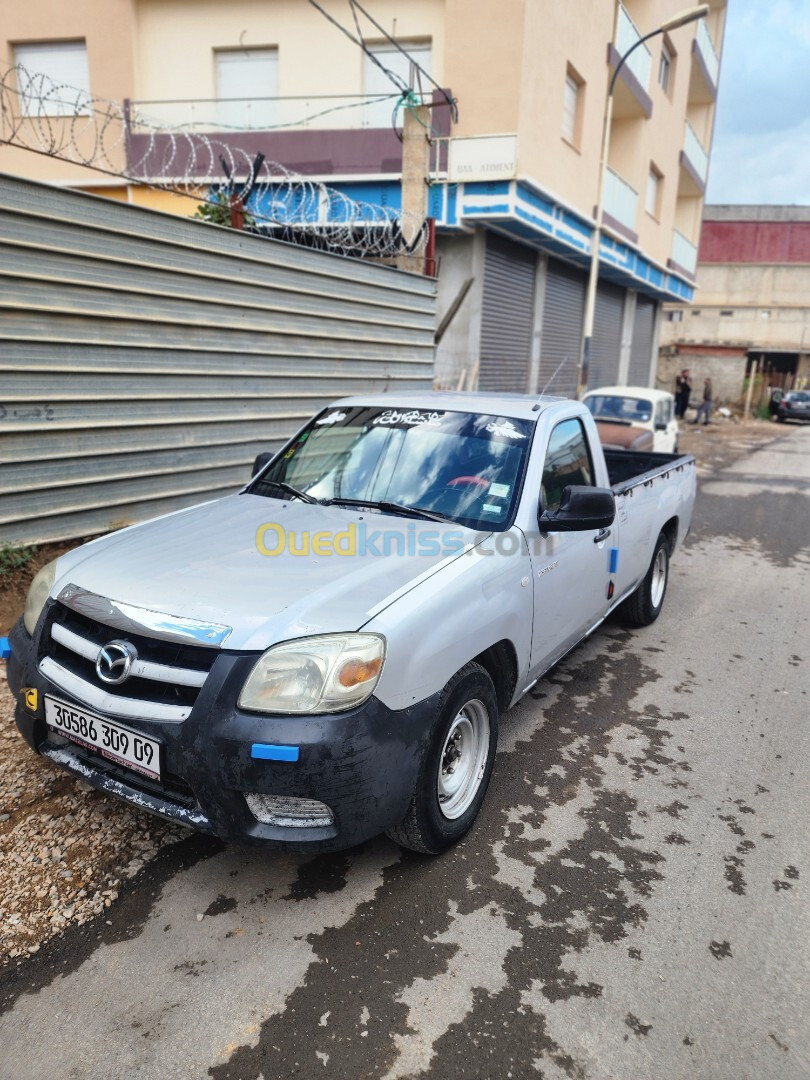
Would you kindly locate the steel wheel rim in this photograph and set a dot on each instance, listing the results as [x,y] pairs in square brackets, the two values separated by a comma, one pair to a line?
[659,577]
[463,759]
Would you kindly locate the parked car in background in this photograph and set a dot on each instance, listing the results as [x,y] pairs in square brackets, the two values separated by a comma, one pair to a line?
[634,418]
[794,405]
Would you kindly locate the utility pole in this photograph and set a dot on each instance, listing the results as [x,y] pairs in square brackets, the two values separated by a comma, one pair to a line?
[415,180]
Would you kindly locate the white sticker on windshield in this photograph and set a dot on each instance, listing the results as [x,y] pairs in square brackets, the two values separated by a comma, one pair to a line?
[409,418]
[490,509]
[500,491]
[506,430]
[332,418]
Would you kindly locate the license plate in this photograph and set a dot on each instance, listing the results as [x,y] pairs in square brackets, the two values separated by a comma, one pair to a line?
[111,740]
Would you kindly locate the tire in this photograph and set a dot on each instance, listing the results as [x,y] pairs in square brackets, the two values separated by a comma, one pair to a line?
[644,605]
[449,793]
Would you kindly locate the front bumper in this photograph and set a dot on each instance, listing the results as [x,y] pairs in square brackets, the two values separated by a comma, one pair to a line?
[362,764]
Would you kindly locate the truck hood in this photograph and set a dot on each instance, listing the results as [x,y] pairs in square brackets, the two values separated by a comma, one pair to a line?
[204,563]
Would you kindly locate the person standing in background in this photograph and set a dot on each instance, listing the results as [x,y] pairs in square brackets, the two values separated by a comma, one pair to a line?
[705,407]
[683,390]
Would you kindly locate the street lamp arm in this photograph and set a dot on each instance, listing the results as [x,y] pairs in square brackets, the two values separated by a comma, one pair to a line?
[631,50]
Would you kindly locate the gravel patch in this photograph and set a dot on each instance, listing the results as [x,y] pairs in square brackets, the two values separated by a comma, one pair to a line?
[65,848]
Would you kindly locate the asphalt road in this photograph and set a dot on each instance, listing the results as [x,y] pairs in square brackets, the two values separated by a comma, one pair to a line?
[632,903]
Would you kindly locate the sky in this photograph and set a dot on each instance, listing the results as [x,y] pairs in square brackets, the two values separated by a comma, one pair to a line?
[761,151]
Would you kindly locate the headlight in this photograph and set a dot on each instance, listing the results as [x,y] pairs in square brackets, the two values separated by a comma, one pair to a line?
[38,594]
[329,673]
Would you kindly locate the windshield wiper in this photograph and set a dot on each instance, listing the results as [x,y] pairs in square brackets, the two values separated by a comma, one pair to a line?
[282,485]
[391,507]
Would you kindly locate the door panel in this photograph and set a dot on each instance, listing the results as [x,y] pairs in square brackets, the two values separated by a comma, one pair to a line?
[570,572]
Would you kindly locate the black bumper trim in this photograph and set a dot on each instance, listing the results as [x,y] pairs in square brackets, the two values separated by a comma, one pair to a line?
[362,764]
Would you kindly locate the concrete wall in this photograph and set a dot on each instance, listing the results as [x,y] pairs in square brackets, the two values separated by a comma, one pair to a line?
[727,373]
[177,39]
[462,257]
[109,29]
[769,305]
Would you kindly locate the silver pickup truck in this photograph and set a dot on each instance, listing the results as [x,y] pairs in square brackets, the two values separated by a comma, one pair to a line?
[324,655]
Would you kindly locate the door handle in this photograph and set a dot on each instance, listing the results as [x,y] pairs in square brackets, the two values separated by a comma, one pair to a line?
[602,535]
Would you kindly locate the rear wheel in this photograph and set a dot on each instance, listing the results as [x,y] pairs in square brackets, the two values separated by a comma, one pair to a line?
[455,770]
[644,605]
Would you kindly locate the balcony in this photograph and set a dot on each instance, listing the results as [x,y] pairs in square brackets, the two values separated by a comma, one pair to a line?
[694,160]
[705,67]
[632,96]
[346,134]
[619,202]
[684,255]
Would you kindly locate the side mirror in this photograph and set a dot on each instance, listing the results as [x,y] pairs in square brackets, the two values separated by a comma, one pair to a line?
[260,462]
[581,509]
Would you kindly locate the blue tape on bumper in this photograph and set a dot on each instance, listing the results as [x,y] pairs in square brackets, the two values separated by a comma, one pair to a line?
[614,560]
[5,648]
[268,752]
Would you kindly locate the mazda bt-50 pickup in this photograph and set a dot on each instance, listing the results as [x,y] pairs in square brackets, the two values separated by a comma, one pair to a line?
[325,655]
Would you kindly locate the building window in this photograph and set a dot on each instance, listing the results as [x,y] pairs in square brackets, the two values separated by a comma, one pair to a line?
[572,93]
[652,198]
[726,314]
[247,88]
[377,84]
[65,88]
[675,316]
[665,68]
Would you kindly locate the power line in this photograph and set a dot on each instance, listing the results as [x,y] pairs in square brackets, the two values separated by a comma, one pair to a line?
[451,101]
[395,79]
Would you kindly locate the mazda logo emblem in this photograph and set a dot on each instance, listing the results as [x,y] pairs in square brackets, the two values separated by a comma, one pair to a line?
[114,661]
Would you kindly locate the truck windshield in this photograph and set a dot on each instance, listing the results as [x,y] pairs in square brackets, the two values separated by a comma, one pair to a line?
[465,467]
[626,410]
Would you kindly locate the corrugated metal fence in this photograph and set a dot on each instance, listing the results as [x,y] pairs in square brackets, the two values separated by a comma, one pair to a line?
[146,359]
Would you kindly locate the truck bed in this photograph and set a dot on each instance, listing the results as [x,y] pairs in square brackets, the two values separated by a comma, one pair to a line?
[628,468]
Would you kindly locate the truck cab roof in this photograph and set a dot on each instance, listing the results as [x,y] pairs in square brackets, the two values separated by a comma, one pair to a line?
[517,406]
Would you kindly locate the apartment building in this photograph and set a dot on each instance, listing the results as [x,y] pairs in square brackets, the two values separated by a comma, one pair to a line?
[512,184]
[753,305]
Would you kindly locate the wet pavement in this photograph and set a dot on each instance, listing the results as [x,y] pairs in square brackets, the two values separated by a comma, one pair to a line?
[632,902]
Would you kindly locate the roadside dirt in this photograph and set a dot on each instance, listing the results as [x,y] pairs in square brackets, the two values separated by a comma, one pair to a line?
[64,847]
[715,446]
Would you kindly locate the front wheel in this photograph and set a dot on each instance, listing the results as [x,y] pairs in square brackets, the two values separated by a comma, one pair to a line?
[644,605]
[455,770]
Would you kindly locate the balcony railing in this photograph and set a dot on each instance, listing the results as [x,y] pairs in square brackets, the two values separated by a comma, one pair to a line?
[627,34]
[620,200]
[684,253]
[696,152]
[206,115]
[708,51]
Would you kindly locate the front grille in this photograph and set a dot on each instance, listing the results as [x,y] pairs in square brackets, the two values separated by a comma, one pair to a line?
[165,685]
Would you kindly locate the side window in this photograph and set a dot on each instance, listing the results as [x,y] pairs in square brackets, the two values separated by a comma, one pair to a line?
[568,461]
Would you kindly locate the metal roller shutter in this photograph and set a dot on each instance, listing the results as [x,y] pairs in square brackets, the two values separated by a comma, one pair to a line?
[563,311]
[607,335]
[507,316]
[638,373]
